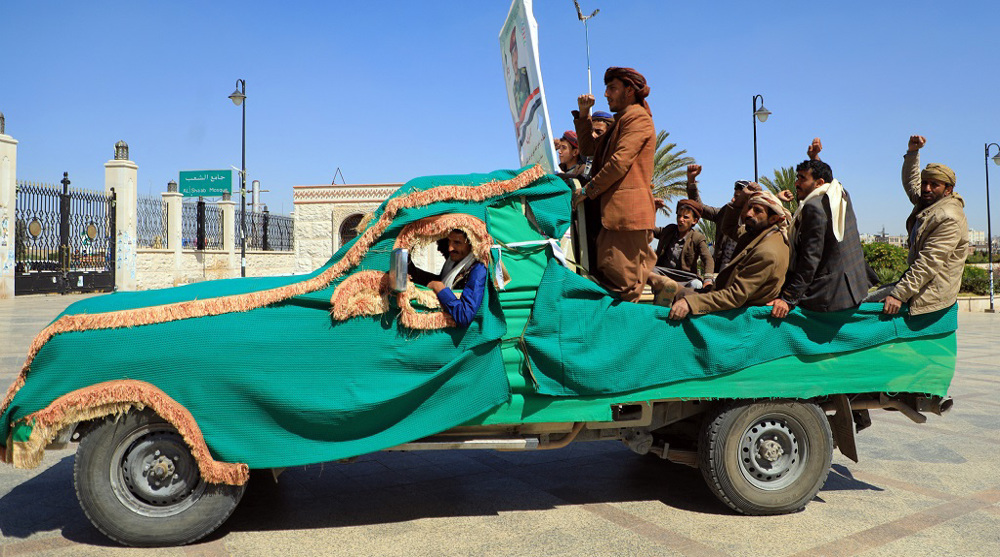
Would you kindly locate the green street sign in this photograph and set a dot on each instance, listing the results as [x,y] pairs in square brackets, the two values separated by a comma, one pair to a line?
[205,183]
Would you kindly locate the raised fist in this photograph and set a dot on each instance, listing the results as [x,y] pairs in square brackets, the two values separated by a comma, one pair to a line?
[786,196]
[814,148]
[585,102]
[916,142]
[693,171]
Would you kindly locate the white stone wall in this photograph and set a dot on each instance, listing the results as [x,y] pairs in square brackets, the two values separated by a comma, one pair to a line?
[155,268]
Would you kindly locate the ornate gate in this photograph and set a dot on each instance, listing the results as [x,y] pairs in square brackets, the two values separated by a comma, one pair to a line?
[64,240]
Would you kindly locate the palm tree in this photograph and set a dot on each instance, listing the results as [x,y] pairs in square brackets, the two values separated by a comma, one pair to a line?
[707,227]
[669,170]
[784,179]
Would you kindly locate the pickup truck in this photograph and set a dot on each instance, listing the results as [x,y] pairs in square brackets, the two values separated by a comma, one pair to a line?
[171,414]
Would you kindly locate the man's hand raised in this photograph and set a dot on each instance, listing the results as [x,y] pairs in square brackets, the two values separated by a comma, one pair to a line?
[814,148]
[585,102]
[693,171]
[916,142]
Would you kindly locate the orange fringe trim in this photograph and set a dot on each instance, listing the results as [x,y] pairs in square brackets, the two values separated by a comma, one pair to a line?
[117,397]
[431,229]
[366,293]
[413,319]
[363,293]
[253,300]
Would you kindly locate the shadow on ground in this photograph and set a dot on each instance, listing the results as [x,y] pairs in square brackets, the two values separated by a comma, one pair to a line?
[388,488]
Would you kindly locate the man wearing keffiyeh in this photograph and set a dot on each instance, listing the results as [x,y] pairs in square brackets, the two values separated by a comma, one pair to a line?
[827,270]
[755,274]
[621,176]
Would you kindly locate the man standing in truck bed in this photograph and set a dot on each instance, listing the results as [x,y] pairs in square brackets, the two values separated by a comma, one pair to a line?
[622,175]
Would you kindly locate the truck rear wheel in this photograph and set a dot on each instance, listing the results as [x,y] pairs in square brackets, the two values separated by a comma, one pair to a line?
[764,458]
[139,484]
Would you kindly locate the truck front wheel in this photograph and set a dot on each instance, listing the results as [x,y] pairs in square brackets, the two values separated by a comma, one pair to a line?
[139,485]
[765,458]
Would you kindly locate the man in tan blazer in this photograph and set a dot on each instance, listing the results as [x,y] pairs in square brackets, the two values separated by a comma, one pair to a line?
[939,237]
[754,275]
[622,174]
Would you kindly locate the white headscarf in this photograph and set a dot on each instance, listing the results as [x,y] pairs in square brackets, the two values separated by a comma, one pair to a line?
[452,270]
[838,208]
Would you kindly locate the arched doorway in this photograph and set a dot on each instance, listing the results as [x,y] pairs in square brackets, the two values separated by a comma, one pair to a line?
[349,228]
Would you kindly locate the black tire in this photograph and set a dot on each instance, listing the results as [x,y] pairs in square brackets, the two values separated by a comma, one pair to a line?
[139,485]
[766,458]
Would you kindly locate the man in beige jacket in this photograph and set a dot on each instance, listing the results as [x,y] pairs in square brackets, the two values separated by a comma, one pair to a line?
[938,236]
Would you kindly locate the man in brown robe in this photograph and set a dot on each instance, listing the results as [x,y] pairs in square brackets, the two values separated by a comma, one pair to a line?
[756,272]
[622,174]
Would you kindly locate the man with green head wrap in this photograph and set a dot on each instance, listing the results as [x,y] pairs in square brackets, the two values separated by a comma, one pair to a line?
[938,237]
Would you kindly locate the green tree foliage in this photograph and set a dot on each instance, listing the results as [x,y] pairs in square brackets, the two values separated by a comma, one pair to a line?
[976,280]
[888,261]
[982,257]
[707,228]
[669,171]
[784,179]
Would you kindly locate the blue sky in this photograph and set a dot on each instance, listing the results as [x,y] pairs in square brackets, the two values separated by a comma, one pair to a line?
[390,90]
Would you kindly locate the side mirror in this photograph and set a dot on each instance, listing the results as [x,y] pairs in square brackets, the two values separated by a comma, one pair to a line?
[398,264]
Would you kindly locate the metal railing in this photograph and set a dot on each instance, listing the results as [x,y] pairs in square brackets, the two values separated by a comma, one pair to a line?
[151,223]
[266,232]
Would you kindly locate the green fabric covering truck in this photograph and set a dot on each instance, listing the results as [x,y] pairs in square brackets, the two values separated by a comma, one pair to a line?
[352,358]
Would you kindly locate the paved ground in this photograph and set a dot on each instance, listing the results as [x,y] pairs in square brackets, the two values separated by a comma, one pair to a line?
[931,489]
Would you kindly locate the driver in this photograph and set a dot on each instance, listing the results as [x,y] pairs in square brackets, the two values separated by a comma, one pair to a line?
[461,271]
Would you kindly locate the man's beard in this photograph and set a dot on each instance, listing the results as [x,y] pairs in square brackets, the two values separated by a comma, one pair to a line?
[755,227]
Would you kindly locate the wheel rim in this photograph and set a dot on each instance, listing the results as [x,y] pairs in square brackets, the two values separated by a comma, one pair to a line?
[773,452]
[153,472]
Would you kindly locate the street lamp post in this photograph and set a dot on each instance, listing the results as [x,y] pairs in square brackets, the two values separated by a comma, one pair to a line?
[238,97]
[989,229]
[758,114]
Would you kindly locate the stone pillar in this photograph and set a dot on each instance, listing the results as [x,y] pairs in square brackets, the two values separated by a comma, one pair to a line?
[174,199]
[122,175]
[229,232]
[8,220]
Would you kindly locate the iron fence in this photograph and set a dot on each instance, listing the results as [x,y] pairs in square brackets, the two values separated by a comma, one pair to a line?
[151,223]
[213,227]
[201,226]
[189,225]
[90,236]
[266,232]
[64,239]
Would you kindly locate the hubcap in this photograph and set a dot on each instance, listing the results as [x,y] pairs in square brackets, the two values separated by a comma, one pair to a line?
[772,452]
[155,474]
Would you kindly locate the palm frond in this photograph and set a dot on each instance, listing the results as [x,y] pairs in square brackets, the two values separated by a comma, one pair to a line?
[669,170]
[784,179]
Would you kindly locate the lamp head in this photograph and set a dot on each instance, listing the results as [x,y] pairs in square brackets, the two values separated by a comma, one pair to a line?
[237,97]
[996,159]
[762,113]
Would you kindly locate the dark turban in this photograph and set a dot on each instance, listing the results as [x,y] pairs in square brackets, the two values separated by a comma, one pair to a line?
[691,204]
[632,78]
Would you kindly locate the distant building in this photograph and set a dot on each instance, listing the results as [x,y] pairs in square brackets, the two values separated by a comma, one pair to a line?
[977,237]
[883,238]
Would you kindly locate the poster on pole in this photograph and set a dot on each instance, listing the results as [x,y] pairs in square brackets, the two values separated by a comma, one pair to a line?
[525,94]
